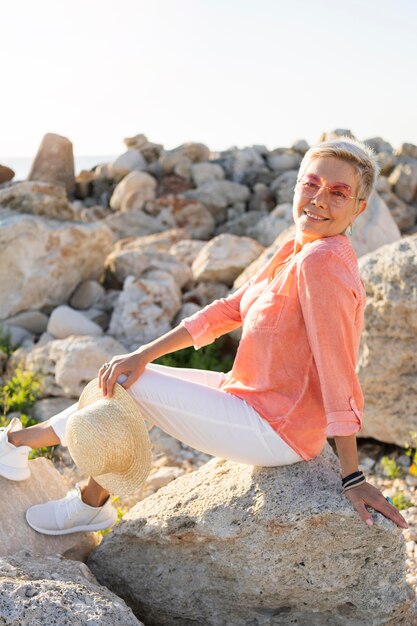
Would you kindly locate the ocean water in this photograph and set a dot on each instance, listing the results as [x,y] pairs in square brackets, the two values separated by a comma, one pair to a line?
[21,165]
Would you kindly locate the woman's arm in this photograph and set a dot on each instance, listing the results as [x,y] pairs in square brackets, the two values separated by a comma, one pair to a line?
[365,494]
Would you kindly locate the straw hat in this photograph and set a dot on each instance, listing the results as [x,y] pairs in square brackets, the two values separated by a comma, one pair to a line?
[108,439]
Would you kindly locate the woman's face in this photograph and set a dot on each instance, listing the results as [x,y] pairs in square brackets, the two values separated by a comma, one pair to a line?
[321,216]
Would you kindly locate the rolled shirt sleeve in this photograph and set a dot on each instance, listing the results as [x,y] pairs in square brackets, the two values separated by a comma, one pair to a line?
[331,309]
[216,319]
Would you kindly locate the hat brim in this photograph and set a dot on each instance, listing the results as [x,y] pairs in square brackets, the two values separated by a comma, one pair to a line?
[130,479]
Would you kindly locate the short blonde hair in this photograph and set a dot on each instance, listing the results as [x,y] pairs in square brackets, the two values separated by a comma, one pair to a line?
[361,156]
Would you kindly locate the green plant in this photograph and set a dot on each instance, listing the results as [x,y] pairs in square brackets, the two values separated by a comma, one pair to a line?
[390,467]
[5,341]
[211,357]
[401,502]
[20,392]
[120,513]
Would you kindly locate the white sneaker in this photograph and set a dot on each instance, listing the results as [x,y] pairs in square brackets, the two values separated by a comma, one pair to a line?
[70,515]
[14,463]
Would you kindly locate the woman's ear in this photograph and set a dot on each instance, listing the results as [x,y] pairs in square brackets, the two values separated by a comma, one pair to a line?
[361,207]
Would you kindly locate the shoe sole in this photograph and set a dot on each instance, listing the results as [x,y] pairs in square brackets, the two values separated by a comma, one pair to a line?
[76,529]
[14,474]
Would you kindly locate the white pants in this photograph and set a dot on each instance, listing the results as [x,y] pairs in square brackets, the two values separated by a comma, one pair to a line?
[189,405]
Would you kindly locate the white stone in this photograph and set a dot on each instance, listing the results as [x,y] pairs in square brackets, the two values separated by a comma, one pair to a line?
[145,308]
[404,181]
[269,227]
[67,365]
[57,257]
[130,161]
[224,257]
[87,294]
[44,409]
[33,321]
[65,321]
[133,191]
[205,172]
[186,250]
[374,227]
[217,195]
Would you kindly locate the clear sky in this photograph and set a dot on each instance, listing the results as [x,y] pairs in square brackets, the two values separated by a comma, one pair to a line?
[224,72]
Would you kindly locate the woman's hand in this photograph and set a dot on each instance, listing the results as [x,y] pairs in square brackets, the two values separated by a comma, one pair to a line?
[131,365]
[366,494]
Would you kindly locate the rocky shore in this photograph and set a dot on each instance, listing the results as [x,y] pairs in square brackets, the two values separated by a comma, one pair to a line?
[97,264]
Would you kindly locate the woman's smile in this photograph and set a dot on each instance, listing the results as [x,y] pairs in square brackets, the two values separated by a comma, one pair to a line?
[314,217]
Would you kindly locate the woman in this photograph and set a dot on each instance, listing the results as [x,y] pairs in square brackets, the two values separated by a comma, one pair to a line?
[293,382]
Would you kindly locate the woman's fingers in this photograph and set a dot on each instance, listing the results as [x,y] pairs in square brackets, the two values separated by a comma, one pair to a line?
[367,495]
[362,510]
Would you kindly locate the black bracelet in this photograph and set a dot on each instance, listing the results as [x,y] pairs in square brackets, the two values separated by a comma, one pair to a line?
[353,480]
[353,475]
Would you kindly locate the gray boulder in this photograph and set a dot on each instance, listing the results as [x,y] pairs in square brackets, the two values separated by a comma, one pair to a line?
[237,545]
[45,483]
[39,590]
[387,358]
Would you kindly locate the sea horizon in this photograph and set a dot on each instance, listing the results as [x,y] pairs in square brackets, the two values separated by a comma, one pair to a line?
[21,165]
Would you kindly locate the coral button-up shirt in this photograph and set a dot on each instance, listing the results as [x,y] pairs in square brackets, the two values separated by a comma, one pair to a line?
[301,318]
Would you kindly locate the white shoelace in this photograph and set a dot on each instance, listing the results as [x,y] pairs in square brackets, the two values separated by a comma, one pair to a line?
[70,504]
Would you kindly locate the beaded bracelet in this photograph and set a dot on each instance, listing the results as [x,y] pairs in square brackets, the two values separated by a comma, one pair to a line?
[353,480]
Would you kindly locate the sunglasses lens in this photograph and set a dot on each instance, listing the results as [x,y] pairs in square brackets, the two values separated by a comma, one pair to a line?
[309,187]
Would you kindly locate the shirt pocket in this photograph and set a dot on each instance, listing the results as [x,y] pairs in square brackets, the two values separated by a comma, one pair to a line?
[267,311]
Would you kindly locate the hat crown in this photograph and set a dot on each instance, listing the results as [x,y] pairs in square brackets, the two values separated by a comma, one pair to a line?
[108,439]
[110,435]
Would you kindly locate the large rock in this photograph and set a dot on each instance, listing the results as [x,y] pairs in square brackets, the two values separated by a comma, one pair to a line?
[223,258]
[190,215]
[45,483]
[237,545]
[404,181]
[145,308]
[130,262]
[151,151]
[42,261]
[179,160]
[267,229]
[38,198]
[39,590]
[139,223]
[186,250]
[205,172]
[389,342]
[87,294]
[130,161]
[133,191]
[217,195]
[67,365]
[33,321]
[54,162]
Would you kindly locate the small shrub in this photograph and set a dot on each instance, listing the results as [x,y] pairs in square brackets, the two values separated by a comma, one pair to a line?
[390,467]
[401,502]
[211,357]
[20,392]
[120,513]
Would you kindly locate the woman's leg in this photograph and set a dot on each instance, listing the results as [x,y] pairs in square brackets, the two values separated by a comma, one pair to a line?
[189,405]
[46,434]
